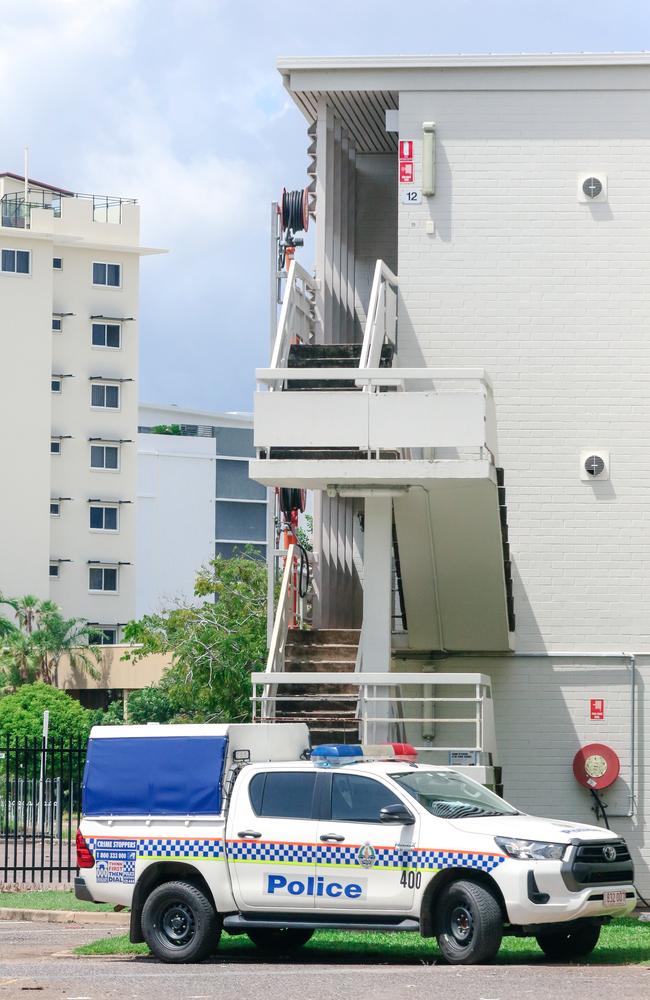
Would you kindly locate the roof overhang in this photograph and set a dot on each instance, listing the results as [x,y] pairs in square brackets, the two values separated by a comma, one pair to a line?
[361,88]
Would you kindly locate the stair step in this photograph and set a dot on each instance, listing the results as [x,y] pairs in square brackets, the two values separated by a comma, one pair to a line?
[324,636]
[333,355]
[300,659]
[320,666]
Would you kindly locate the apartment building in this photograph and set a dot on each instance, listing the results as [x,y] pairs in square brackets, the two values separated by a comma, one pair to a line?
[195,498]
[482,242]
[69,277]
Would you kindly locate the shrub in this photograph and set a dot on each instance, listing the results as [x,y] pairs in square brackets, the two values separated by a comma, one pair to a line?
[21,714]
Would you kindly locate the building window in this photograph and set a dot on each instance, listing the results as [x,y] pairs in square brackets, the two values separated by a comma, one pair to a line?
[57,263]
[55,570]
[107,274]
[56,384]
[55,447]
[55,508]
[57,325]
[102,579]
[105,397]
[106,335]
[16,261]
[103,635]
[104,456]
[104,518]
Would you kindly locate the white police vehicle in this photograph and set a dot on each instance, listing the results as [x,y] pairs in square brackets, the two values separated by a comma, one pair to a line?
[239,828]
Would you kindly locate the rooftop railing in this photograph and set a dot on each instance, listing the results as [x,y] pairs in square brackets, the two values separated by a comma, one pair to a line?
[16,210]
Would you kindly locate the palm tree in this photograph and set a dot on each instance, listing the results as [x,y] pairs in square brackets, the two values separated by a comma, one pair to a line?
[26,609]
[33,650]
[57,637]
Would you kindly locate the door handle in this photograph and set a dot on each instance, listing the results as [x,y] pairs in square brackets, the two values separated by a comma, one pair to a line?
[249,833]
[332,836]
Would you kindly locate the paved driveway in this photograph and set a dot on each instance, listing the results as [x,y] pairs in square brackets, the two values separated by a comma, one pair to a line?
[28,963]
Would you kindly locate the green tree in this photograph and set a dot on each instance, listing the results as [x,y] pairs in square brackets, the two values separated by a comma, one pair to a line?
[150,704]
[21,714]
[215,644]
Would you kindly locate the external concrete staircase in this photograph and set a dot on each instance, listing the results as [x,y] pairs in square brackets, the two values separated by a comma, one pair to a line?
[322,651]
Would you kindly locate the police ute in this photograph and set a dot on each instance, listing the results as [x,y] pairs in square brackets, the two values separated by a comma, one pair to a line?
[245,829]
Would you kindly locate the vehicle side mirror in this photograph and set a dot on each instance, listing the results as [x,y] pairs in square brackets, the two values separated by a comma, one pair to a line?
[397,813]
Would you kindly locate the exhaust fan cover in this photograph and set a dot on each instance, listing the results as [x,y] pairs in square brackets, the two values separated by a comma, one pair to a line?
[592,186]
[594,464]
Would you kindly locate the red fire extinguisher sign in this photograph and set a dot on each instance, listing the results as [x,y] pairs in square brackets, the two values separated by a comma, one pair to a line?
[406,149]
[597,709]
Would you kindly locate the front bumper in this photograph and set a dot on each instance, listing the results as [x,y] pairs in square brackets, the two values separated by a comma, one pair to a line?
[546,899]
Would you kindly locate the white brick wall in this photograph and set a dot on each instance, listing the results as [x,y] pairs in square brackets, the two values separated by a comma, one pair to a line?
[552,297]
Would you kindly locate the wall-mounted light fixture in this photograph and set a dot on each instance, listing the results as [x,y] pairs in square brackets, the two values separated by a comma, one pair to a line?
[428,158]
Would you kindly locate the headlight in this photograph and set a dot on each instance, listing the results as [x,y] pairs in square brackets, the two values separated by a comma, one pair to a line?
[531,850]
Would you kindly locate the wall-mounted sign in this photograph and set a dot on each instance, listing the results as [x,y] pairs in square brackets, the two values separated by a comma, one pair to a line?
[406,172]
[406,149]
[597,709]
[411,196]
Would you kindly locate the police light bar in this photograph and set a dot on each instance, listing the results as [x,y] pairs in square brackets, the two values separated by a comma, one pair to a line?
[337,754]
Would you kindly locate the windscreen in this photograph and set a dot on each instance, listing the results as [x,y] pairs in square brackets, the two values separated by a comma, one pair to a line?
[450,795]
[157,776]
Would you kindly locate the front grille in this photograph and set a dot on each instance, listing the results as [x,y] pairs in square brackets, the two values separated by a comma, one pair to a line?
[594,852]
[588,864]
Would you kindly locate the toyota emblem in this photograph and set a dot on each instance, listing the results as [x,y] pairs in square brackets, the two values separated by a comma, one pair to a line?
[609,852]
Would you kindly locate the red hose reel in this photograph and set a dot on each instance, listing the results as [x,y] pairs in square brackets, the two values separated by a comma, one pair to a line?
[596,766]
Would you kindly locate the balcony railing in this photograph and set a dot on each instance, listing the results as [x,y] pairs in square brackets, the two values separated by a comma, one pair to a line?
[454,410]
[16,211]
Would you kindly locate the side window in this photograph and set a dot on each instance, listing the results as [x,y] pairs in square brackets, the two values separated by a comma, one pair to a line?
[356,799]
[285,794]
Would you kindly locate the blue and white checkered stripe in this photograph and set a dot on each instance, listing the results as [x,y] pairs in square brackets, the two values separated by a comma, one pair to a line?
[168,847]
[385,857]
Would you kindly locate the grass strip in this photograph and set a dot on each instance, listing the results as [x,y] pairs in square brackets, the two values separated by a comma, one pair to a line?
[623,942]
[48,899]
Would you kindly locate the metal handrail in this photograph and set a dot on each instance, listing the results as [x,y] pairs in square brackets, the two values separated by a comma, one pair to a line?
[371,686]
[295,321]
[381,321]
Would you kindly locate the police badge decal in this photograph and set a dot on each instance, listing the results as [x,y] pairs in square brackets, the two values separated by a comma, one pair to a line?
[366,855]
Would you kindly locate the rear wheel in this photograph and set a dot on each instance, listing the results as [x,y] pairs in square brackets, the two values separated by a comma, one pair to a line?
[179,923]
[280,939]
[470,924]
[572,943]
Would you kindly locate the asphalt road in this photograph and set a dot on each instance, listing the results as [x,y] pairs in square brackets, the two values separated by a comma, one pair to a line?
[30,963]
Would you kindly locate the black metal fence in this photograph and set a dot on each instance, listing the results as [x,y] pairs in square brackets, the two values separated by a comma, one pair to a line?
[40,806]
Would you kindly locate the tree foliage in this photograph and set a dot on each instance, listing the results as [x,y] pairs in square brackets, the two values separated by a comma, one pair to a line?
[215,645]
[21,714]
[32,649]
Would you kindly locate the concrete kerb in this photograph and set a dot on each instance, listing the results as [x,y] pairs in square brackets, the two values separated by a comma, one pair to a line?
[66,917]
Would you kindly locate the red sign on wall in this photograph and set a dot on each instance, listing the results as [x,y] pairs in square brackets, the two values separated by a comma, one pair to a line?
[406,149]
[406,172]
[597,709]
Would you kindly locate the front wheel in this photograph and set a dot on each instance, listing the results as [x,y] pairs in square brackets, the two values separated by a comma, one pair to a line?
[280,939]
[179,923]
[470,924]
[574,943]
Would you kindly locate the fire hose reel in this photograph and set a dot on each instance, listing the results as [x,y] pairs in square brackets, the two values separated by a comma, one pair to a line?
[596,766]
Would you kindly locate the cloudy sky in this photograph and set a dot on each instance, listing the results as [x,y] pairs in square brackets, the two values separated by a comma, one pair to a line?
[178,103]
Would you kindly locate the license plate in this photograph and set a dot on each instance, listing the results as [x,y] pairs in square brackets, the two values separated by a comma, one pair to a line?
[614,898]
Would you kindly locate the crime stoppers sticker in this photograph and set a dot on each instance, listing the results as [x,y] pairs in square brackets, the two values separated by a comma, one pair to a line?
[115,861]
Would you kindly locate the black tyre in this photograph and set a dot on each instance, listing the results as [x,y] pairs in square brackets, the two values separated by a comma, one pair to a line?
[470,924]
[179,923]
[280,939]
[575,942]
